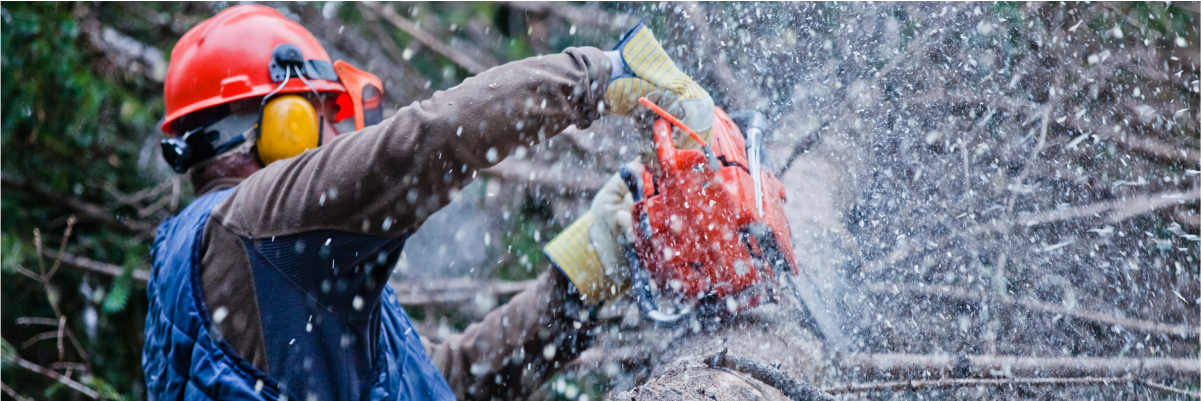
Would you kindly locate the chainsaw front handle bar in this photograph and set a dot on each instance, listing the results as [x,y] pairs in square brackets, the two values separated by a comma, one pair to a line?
[642,287]
[712,158]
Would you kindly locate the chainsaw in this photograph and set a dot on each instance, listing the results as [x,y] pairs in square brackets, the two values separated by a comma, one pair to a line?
[710,231]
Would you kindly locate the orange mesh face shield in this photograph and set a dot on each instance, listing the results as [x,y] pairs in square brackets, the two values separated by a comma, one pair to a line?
[362,97]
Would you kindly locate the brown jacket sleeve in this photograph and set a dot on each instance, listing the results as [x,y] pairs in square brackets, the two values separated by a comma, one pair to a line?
[518,346]
[387,179]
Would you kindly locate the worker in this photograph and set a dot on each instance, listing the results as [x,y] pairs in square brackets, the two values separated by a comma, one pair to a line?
[273,283]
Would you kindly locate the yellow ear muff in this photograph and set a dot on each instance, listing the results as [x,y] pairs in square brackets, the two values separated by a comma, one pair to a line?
[289,127]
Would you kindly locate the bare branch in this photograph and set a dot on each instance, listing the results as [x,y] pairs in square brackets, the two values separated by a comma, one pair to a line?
[72,384]
[528,172]
[42,336]
[579,15]
[69,366]
[85,210]
[61,247]
[1118,210]
[1167,389]
[919,365]
[141,275]
[948,292]
[135,198]
[1137,143]
[1042,141]
[62,325]
[799,148]
[12,393]
[388,44]
[915,385]
[29,273]
[426,39]
[741,95]
[123,51]
[37,320]
[454,290]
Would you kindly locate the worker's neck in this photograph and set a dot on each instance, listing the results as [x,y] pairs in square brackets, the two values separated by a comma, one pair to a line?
[217,185]
[224,172]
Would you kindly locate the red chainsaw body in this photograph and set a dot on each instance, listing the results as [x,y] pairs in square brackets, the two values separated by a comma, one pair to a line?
[701,221]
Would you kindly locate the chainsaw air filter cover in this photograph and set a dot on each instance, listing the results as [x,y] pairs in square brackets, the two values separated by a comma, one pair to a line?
[703,236]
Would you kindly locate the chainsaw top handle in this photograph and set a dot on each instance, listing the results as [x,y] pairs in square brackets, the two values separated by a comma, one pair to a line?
[667,150]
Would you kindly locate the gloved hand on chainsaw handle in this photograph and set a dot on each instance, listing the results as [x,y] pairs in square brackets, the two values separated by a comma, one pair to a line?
[642,68]
[591,251]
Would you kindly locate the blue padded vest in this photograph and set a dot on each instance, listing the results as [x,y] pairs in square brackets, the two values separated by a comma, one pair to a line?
[184,360]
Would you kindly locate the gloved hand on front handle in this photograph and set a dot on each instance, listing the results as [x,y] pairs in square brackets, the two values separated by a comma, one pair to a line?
[591,251]
[641,67]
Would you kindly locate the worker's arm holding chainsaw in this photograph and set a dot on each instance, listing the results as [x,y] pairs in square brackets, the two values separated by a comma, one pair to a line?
[387,179]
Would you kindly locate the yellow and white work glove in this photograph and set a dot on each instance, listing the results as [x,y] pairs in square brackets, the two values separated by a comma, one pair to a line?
[591,251]
[641,67]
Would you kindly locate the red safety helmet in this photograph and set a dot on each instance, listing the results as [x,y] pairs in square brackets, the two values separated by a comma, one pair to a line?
[226,58]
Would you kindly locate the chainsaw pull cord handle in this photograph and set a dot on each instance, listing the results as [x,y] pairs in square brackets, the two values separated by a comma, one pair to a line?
[642,287]
[709,155]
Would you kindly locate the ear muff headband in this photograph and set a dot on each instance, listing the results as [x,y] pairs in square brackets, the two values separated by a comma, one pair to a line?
[289,127]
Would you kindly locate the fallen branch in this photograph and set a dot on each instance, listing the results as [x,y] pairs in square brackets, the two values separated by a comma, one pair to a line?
[454,290]
[469,64]
[992,366]
[959,294]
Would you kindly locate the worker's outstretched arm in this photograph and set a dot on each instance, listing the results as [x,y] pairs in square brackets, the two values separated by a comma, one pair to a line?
[386,179]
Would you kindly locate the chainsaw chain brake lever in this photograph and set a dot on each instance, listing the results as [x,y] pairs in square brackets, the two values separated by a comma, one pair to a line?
[642,288]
